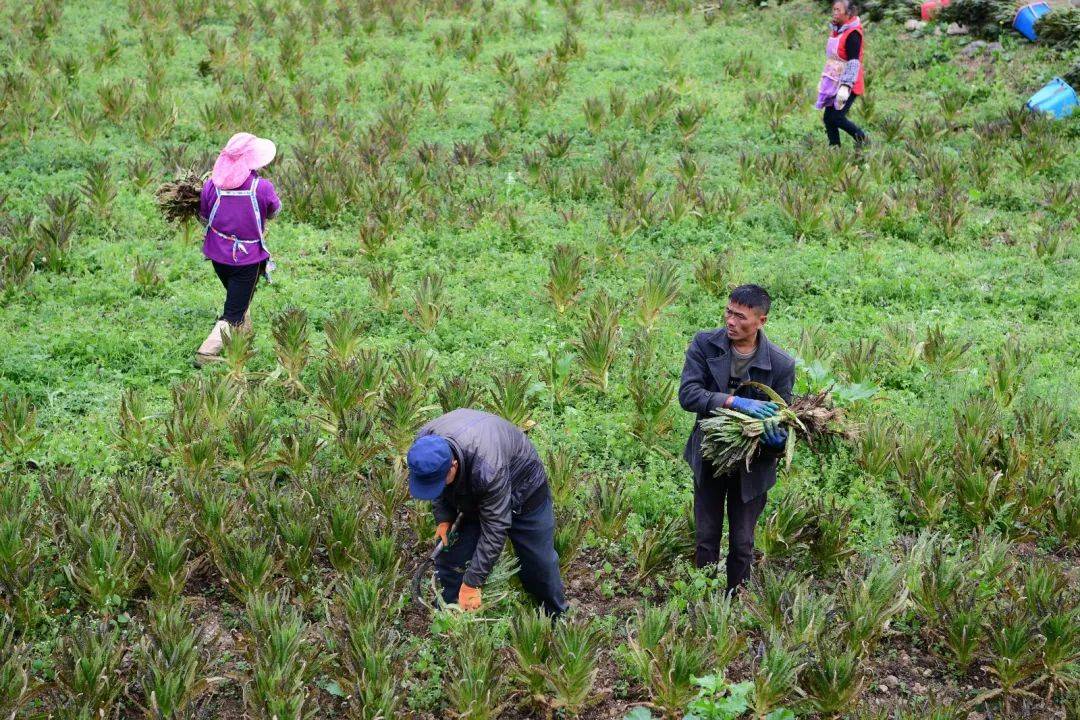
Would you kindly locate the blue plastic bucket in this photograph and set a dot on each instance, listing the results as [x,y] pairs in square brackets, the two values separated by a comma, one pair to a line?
[1057,99]
[1027,16]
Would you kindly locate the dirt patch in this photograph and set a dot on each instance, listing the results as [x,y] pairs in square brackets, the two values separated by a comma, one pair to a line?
[901,673]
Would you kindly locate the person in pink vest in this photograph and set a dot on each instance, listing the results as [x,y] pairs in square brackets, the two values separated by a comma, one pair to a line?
[842,78]
[235,205]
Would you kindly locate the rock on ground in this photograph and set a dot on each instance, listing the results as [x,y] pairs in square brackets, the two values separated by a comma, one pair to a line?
[973,48]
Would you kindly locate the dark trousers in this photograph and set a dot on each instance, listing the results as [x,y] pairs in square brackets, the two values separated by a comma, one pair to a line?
[710,495]
[836,120]
[239,282]
[533,536]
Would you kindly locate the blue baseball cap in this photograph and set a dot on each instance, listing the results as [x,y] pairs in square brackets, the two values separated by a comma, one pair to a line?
[429,461]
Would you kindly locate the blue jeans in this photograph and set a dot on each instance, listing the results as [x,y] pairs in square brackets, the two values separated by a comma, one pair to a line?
[533,536]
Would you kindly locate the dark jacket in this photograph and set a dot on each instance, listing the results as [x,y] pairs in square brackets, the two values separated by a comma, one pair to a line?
[703,389]
[498,470]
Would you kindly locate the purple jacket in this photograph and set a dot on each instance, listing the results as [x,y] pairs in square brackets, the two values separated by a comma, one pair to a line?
[233,236]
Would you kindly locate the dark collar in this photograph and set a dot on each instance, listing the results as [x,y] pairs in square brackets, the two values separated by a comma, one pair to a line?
[459,481]
[761,359]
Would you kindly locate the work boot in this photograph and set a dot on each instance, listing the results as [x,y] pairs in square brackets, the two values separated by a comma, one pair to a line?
[245,324]
[210,350]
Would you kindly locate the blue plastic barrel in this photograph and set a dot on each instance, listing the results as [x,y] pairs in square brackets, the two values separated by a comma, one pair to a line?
[1057,99]
[1026,17]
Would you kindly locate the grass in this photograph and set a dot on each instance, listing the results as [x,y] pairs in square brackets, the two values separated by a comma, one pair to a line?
[469,271]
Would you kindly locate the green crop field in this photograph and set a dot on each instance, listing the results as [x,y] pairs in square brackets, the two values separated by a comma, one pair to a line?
[531,208]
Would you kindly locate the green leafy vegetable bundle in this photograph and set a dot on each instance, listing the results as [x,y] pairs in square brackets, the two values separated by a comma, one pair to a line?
[731,437]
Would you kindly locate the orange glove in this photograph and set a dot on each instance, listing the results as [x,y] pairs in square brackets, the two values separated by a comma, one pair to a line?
[441,533]
[469,598]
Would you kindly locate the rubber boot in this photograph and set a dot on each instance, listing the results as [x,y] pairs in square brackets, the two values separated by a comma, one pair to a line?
[210,350]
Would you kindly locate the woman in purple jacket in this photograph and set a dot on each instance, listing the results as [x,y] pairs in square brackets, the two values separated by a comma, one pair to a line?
[235,205]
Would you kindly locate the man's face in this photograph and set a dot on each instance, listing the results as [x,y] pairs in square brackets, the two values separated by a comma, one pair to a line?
[453,472]
[742,322]
[839,13]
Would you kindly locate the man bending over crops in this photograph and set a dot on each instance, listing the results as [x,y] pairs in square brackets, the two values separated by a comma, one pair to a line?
[718,362]
[483,466]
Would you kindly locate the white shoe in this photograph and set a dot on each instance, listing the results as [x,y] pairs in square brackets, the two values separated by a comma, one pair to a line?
[210,350]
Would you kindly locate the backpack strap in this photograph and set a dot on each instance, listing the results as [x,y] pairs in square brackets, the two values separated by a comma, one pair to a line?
[214,209]
[255,205]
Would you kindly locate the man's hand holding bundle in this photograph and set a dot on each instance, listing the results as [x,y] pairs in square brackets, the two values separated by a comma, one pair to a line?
[754,408]
[774,436]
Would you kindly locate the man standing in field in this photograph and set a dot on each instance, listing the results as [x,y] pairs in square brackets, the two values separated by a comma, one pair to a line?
[483,466]
[718,362]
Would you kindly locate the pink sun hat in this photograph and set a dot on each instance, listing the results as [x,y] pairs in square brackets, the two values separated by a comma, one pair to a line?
[243,153]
